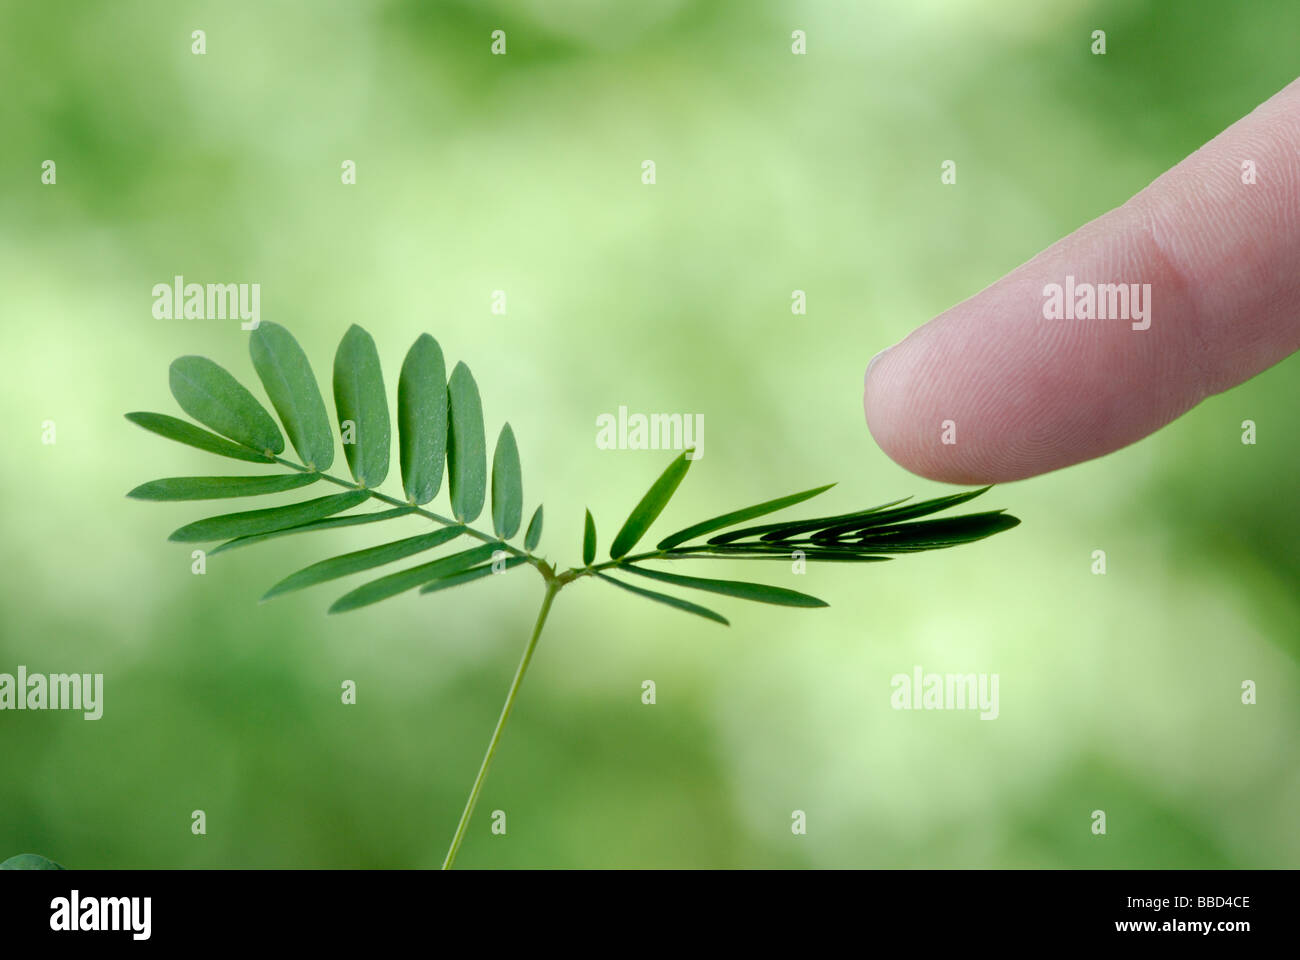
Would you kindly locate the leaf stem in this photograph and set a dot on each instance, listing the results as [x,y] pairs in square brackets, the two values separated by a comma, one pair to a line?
[623,561]
[552,588]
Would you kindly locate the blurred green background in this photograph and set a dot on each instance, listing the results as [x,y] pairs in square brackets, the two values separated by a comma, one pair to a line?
[522,173]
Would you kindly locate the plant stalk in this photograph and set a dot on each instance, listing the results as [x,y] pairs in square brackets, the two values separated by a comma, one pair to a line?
[552,588]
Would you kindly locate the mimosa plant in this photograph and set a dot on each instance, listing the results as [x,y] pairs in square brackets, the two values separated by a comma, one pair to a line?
[440,432]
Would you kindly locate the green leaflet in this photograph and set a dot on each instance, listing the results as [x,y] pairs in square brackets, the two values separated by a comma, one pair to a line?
[534,534]
[588,540]
[182,431]
[289,382]
[30,861]
[784,529]
[834,528]
[470,575]
[676,602]
[934,534]
[400,582]
[216,488]
[738,516]
[327,524]
[359,560]
[844,554]
[264,521]
[835,537]
[359,397]
[215,399]
[507,486]
[881,518]
[651,505]
[422,419]
[466,446]
[759,592]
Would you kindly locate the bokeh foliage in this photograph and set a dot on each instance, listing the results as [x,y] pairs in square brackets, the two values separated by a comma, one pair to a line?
[522,173]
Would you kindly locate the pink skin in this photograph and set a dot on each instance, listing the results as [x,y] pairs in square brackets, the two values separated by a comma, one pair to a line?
[1029,395]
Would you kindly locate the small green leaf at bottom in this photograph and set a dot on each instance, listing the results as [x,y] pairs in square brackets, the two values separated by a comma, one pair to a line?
[264,521]
[759,592]
[469,576]
[676,602]
[403,580]
[218,488]
[182,431]
[652,504]
[507,486]
[739,516]
[329,523]
[359,560]
[588,540]
[534,534]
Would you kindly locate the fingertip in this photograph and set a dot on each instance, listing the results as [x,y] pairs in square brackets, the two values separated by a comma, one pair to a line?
[1006,386]
[905,400]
